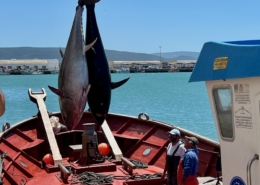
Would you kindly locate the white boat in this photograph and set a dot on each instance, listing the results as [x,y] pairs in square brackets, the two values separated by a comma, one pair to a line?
[2,72]
[124,70]
[54,72]
[36,73]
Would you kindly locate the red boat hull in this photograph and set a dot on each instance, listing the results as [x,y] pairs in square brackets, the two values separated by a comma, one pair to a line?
[26,144]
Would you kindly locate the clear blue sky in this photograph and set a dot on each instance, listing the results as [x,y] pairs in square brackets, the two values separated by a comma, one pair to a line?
[132,25]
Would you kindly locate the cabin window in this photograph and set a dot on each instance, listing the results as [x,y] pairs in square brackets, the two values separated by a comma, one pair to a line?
[223,101]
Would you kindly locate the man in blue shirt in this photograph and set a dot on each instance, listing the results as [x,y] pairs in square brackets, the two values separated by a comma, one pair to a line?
[189,163]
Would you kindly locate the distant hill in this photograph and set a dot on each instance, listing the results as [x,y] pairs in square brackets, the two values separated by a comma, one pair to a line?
[179,55]
[130,56]
[30,53]
[53,53]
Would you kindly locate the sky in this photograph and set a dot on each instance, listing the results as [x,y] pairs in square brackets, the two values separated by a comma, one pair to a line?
[141,26]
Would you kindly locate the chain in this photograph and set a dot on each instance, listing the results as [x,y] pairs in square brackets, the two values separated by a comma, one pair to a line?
[145,176]
[91,178]
[138,164]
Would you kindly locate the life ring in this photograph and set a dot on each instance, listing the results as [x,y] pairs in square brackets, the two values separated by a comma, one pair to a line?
[5,126]
[146,117]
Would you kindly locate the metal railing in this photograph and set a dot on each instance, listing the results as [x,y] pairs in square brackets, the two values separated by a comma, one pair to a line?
[248,170]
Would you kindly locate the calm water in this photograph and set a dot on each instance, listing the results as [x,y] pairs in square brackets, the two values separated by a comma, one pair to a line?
[166,97]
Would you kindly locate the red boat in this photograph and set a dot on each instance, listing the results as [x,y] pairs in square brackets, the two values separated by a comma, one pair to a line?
[137,153]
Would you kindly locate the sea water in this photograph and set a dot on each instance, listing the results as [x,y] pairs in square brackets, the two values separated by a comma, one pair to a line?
[166,97]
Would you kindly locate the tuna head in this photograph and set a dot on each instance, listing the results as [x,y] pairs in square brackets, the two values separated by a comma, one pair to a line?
[73,80]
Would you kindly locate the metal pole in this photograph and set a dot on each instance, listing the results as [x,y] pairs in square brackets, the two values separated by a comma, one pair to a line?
[160,53]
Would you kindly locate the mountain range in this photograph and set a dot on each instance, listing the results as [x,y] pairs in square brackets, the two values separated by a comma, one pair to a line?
[53,53]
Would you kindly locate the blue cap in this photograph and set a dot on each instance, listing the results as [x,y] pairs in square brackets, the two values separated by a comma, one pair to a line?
[175,132]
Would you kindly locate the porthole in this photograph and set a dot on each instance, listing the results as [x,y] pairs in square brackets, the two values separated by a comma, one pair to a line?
[147,152]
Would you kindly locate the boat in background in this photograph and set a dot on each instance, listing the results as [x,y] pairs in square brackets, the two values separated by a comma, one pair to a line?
[124,70]
[48,72]
[114,71]
[2,72]
[37,73]
[20,72]
[135,70]
[54,71]
[155,69]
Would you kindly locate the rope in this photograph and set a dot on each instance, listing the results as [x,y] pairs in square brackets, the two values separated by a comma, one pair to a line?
[208,151]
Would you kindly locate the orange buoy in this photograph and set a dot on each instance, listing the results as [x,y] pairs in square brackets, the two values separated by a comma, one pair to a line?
[48,159]
[103,149]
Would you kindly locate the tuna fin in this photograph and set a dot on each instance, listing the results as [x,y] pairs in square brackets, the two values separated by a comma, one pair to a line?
[87,47]
[114,85]
[88,88]
[86,91]
[61,53]
[56,91]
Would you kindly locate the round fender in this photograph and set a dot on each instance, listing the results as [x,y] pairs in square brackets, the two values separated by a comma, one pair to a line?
[146,117]
[2,103]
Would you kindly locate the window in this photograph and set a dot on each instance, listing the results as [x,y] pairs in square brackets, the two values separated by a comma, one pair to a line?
[223,101]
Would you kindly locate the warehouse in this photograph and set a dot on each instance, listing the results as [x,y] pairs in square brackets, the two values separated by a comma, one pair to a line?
[39,64]
[127,64]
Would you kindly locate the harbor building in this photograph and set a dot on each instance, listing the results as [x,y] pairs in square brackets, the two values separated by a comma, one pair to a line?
[152,66]
[41,64]
[30,64]
[128,64]
[134,66]
[182,65]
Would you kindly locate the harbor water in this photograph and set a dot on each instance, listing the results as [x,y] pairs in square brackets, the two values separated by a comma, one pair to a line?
[166,97]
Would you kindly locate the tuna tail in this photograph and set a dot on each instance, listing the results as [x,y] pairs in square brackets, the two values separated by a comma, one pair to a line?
[115,85]
[87,2]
